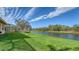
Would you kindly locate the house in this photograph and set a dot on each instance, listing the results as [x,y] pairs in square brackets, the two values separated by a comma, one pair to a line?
[2,26]
[23,26]
[5,27]
[10,28]
[26,28]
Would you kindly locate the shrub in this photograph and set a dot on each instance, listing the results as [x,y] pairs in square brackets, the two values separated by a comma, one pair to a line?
[65,49]
[52,48]
[76,48]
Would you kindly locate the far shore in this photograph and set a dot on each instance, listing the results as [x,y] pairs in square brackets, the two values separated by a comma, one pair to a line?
[64,32]
[61,32]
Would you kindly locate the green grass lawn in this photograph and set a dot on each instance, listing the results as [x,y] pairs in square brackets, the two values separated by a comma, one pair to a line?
[35,42]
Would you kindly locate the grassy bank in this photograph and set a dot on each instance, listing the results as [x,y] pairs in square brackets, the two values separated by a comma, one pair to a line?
[46,43]
[31,42]
[64,32]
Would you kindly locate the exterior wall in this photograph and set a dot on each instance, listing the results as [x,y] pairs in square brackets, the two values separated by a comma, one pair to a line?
[2,28]
[10,28]
[26,29]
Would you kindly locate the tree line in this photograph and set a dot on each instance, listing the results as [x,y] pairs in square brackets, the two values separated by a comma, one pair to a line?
[59,27]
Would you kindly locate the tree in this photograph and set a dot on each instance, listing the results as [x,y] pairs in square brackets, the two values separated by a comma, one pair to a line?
[50,28]
[56,27]
[59,27]
[23,25]
[66,28]
[76,27]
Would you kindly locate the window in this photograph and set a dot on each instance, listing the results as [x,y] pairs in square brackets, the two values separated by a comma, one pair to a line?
[2,28]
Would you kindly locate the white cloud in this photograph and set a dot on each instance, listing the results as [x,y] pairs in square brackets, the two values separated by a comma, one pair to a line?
[57,12]
[30,13]
[39,18]
[11,13]
[2,12]
[16,10]
[9,17]
[18,14]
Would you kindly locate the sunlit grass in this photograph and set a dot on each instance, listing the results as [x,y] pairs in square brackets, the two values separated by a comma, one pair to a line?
[31,42]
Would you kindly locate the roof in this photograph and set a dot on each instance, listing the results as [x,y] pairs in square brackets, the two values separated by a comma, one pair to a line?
[2,21]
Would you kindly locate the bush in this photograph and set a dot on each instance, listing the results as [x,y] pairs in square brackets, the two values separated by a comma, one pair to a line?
[52,48]
[65,49]
[76,48]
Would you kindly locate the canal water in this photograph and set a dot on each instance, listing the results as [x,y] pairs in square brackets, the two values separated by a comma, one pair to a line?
[67,36]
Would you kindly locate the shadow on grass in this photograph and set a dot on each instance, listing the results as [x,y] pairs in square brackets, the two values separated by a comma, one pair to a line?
[65,49]
[53,48]
[17,41]
[12,36]
[76,48]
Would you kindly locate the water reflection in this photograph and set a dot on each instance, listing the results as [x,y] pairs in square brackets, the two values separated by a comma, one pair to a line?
[68,36]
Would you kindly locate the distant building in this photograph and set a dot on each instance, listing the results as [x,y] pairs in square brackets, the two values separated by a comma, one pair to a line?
[23,26]
[25,29]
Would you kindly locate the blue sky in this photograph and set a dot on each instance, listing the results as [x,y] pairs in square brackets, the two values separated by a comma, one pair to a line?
[41,16]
